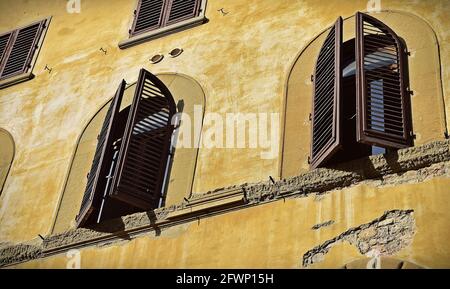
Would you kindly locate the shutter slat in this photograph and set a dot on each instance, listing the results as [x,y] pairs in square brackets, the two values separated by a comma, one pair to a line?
[144,153]
[149,16]
[182,9]
[383,105]
[326,136]
[96,178]
[22,50]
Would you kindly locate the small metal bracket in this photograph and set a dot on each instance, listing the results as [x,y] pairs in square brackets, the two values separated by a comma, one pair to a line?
[103,50]
[48,69]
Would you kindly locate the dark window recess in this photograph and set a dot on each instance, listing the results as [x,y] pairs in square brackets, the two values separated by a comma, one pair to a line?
[154,14]
[326,137]
[17,49]
[131,159]
[368,111]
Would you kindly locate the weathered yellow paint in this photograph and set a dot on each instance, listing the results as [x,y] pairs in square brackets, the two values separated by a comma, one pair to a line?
[277,235]
[242,61]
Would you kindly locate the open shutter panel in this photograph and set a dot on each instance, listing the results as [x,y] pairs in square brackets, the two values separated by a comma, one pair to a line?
[96,178]
[326,136]
[182,9]
[148,16]
[143,156]
[22,50]
[383,104]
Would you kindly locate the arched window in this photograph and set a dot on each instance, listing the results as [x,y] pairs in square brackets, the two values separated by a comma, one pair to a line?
[6,156]
[360,88]
[422,73]
[189,98]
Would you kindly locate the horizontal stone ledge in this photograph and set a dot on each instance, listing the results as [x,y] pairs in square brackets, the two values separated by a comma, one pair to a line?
[233,198]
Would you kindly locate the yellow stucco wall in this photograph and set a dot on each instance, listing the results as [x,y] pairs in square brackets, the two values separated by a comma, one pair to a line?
[277,235]
[242,60]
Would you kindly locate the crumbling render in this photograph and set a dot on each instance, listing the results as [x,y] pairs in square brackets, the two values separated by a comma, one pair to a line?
[405,166]
[386,236]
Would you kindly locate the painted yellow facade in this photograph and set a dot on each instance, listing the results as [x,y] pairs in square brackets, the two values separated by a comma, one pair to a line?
[257,58]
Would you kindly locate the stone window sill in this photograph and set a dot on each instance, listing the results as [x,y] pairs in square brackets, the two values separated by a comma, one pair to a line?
[151,35]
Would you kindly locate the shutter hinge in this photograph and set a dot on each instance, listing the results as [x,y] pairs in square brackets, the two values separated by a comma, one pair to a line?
[411,134]
[408,53]
[312,77]
[310,117]
[309,160]
[98,137]
[410,92]
[446,135]
[87,175]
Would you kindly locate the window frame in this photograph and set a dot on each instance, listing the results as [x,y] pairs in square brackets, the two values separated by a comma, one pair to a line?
[27,74]
[174,27]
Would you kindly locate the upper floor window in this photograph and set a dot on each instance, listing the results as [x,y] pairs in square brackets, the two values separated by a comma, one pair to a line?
[18,52]
[156,18]
[361,103]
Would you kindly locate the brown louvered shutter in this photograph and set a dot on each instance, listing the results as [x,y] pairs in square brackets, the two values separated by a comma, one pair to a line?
[148,16]
[326,132]
[20,51]
[96,178]
[141,166]
[4,41]
[383,104]
[180,10]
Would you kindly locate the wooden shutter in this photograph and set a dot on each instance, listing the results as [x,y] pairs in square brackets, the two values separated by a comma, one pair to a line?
[4,41]
[97,175]
[180,10]
[143,156]
[148,16]
[20,51]
[326,133]
[383,104]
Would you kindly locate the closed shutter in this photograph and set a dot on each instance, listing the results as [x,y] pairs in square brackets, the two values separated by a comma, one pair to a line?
[96,178]
[4,40]
[182,9]
[326,132]
[148,16]
[21,50]
[383,105]
[143,157]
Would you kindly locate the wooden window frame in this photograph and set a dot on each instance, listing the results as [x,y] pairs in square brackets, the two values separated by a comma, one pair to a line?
[164,30]
[26,73]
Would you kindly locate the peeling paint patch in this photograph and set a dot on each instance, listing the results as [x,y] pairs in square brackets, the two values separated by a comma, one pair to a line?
[386,235]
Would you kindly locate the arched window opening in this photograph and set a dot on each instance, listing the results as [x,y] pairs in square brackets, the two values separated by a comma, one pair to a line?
[130,163]
[361,102]
[6,156]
